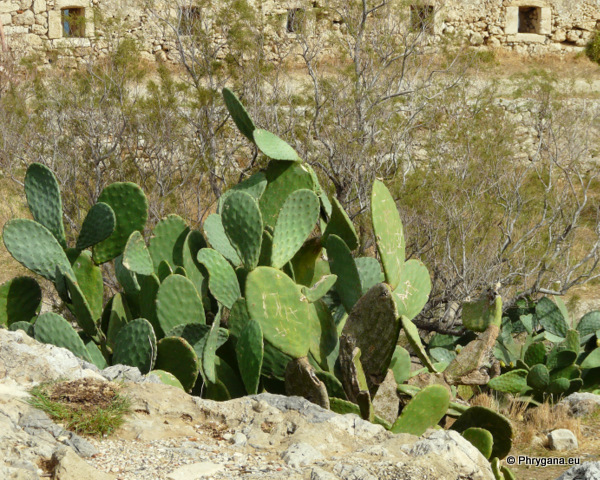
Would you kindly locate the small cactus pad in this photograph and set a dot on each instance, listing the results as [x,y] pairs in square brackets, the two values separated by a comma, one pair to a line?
[273,146]
[369,271]
[550,317]
[496,424]
[254,186]
[374,325]
[276,302]
[25,326]
[163,271]
[481,439]
[572,340]
[34,246]
[131,212]
[239,114]
[412,335]
[89,279]
[341,406]
[166,243]
[592,360]
[296,220]
[301,380]
[249,352]
[127,278]
[98,225]
[54,329]
[81,308]
[215,233]
[176,356]
[222,280]
[514,381]
[559,357]
[209,352]
[305,263]
[177,302]
[118,317]
[323,335]
[283,178]
[342,264]
[149,286]
[167,378]
[320,288]
[341,225]
[43,197]
[135,345]
[478,315]
[538,377]
[400,365]
[194,242]
[20,300]
[243,226]
[589,324]
[196,335]
[136,256]
[389,233]
[559,385]
[413,290]
[535,353]
[424,411]
[96,355]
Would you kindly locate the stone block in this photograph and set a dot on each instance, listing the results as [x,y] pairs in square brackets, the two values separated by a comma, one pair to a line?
[26,18]
[6,18]
[8,7]
[39,6]
[562,440]
[55,28]
[545,21]
[511,26]
[15,30]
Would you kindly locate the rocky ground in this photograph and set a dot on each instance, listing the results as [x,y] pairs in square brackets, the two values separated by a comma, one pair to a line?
[172,435]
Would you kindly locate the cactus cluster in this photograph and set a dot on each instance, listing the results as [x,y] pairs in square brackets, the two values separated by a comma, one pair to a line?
[268,295]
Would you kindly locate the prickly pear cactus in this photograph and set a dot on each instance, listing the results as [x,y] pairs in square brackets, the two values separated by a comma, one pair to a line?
[424,411]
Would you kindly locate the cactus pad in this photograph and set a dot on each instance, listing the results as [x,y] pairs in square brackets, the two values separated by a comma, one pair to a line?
[98,225]
[369,272]
[412,335]
[43,197]
[535,353]
[215,233]
[478,315]
[550,317]
[177,302]
[222,280]
[389,233]
[320,288]
[81,308]
[167,378]
[400,365]
[589,324]
[209,352]
[342,264]
[413,289]
[273,146]
[592,360]
[341,225]
[242,223]
[249,351]
[276,302]
[195,272]
[20,300]
[136,256]
[135,345]
[254,186]
[424,411]
[176,356]
[481,439]
[54,329]
[239,114]
[514,381]
[89,279]
[538,377]
[166,243]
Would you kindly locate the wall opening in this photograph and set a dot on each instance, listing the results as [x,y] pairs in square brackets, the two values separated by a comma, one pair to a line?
[530,19]
[189,18]
[421,18]
[295,20]
[73,21]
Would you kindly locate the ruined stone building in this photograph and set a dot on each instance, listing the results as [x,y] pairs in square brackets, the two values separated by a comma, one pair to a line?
[72,29]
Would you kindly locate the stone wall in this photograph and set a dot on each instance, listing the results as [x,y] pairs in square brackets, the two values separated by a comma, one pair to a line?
[526,26]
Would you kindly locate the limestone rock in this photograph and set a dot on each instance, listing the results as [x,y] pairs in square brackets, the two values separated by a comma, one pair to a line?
[562,440]
[69,466]
[585,471]
[582,403]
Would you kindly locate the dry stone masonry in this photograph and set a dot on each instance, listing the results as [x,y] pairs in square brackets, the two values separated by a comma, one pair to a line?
[76,29]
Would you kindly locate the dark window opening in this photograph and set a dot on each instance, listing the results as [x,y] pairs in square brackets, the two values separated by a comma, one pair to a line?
[295,20]
[421,18]
[189,18]
[73,21]
[529,19]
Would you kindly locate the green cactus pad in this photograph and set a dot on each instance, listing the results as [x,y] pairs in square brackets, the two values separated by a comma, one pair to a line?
[90,281]
[127,278]
[306,263]
[250,351]
[96,355]
[117,318]
[413,290]
[273,146]
[560,358]
[572,340]
[25,326]
[495,464]
[136,256]
[342,264]
[498,425]
[283,178]
[296,220]
[177,302]
[343,407]
[442,355]
[209,352]
[52,328]
[369,271]
[253,186]
[242,222]
[149,285]
[478,315]
[481,439]
[163,271]
[238,317]
[98,225]
[20,300]
[389,233]
[332,384]
[550,317]
[276,302]
[167,378]
[514,381]
[424,411]
[400,365]
[571,372]
[374,325]
[589,324]
[196,335]
[320,288]
[130,205]
[592,360]
[222,280]
[412,335]
[538,377]
[323,335]
[166,243]
[176,356]
[215,233]
[507,473]
[266,249]
[135,345]
[34,246]
[341,225]
[81,308]
[559,385]
[239,114]
[194,242]
[535,353]
[43,197]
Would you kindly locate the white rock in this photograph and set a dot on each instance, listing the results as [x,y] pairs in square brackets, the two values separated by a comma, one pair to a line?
[562,440]
[195,471]
[300,454]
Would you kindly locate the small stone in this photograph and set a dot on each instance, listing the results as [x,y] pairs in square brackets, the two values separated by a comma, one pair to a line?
[562,440]
[320,474]
[239,439]
[585,471]
[195,471]
[300,454]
